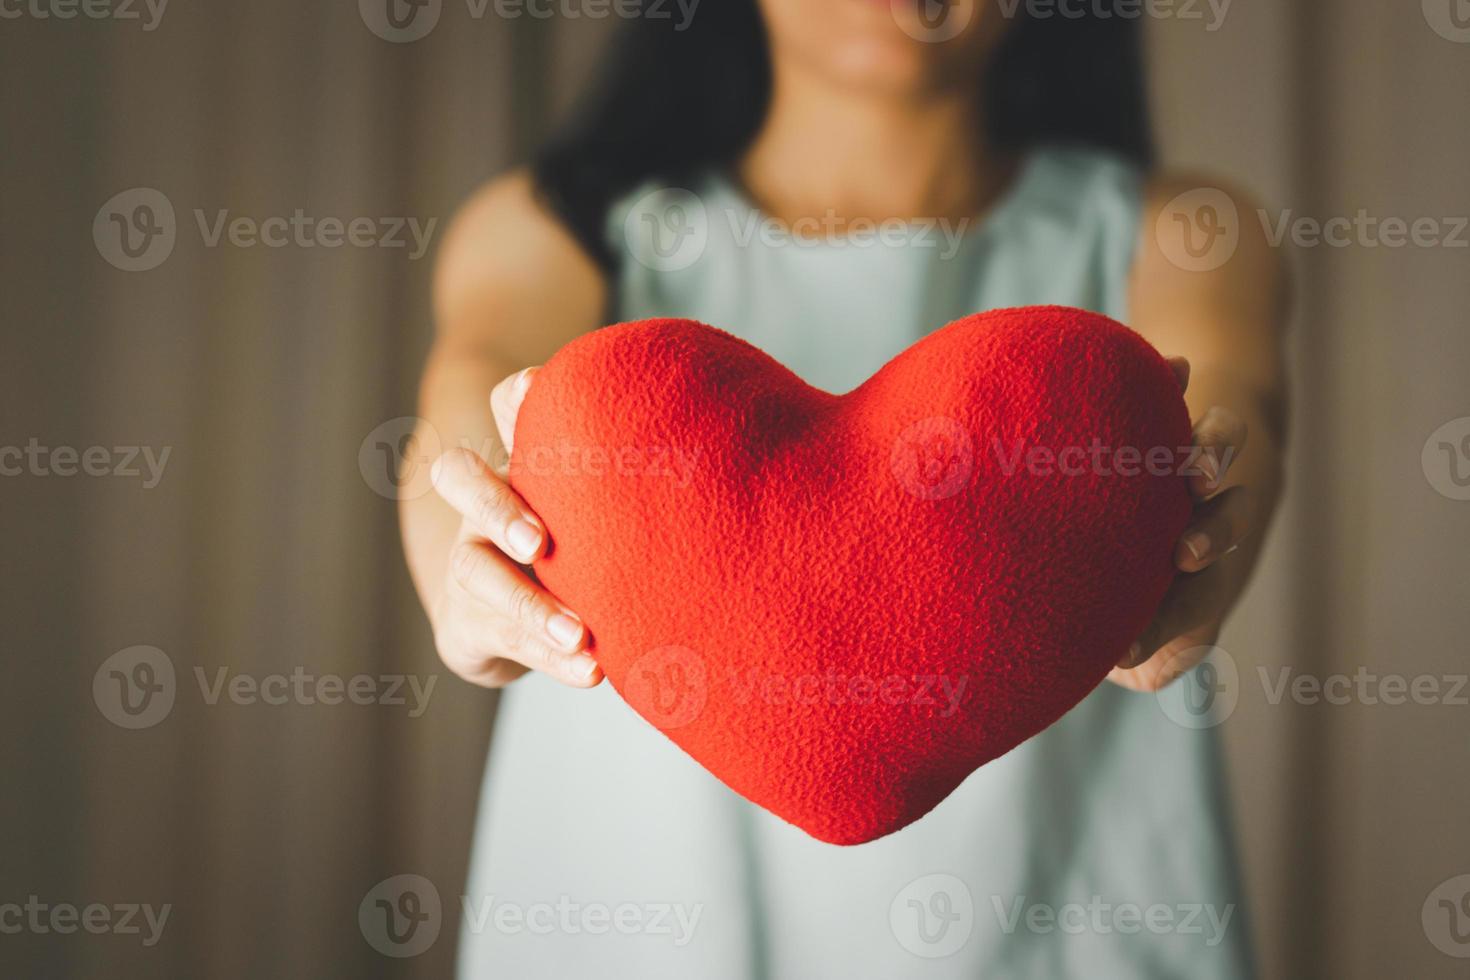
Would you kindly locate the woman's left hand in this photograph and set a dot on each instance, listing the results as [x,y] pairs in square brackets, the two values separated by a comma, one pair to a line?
[1188,620]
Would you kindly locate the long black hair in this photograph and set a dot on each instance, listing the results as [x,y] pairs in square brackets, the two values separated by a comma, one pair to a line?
[675,98]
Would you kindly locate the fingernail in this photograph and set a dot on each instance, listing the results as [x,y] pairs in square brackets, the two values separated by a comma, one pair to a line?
[523,380]
[581,667]
[564,630]
[1198,544]
[524,538]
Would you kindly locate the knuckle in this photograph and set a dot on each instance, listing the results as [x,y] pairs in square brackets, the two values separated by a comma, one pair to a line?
[489,505]
[523,605]
[466,564]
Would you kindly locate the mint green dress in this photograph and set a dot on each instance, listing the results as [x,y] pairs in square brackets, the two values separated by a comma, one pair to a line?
[1099,849]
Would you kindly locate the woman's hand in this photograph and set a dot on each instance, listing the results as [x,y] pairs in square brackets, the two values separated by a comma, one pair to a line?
[1195,606]
[493,621]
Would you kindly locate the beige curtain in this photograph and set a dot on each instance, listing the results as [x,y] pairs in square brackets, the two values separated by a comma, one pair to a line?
[1353,813]
[264,549]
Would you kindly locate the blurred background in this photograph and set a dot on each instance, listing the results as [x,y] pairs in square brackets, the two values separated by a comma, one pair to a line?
[201,429]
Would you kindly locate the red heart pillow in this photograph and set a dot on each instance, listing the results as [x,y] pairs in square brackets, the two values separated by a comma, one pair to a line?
[843,605]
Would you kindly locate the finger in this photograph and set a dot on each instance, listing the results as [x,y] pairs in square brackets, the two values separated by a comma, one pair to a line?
[480,645]
[1220,436]
[1192,602]
[488,504]
[1219,525]
[1180,366]
[487,576]
[505,404]
[1167,664]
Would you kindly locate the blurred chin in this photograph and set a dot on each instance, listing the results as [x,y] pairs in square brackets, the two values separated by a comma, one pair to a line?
[899,47]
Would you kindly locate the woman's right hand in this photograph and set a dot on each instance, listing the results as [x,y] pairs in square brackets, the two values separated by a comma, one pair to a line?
[494,621]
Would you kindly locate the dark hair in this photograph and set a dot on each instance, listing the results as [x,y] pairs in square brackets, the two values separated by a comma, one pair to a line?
[672,102]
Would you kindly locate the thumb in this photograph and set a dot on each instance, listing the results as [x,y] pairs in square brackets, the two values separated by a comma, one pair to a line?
[505,404]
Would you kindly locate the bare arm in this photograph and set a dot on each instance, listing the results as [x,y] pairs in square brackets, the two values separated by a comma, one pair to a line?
[510,288]
[1228,323]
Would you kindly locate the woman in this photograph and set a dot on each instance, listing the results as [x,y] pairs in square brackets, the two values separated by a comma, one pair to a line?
[1099,848]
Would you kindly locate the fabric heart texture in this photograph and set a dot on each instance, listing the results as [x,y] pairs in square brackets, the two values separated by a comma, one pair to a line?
[843,605]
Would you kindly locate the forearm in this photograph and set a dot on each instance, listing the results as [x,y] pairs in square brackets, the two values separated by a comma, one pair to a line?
[454,411]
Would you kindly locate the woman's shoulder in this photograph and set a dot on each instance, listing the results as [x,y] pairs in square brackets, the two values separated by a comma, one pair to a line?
[507,258]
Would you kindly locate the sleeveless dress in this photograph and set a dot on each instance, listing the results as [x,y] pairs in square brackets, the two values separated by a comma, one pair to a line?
[1098,849]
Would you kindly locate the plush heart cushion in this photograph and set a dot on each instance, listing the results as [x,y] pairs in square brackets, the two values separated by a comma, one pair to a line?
[843,605]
